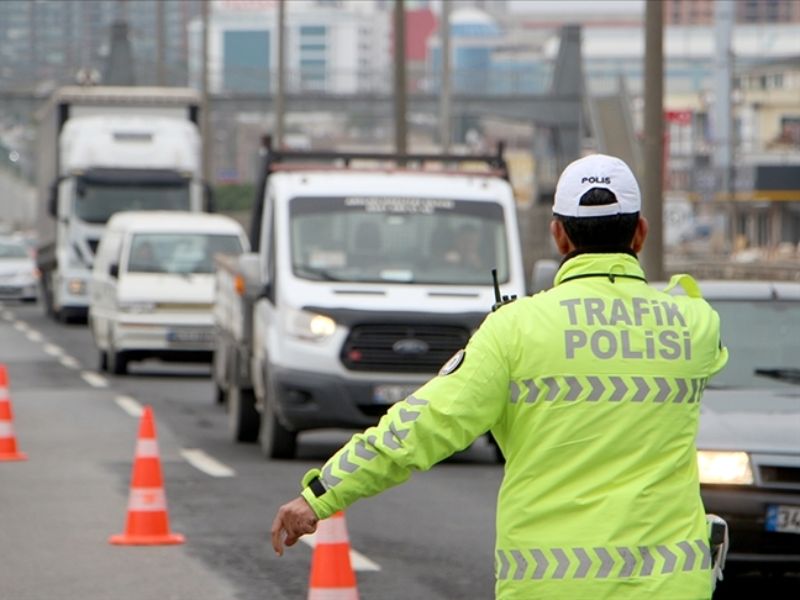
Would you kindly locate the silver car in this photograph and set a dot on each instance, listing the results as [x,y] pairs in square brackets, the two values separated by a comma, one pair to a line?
[19,277]
[749,438]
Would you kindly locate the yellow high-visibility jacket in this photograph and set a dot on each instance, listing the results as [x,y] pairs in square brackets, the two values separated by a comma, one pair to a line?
[592,390]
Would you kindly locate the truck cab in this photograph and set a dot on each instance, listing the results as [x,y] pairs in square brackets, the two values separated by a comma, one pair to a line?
[368,282]
[104,151]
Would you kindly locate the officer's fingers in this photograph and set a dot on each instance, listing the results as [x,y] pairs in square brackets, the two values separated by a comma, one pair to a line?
[277,534]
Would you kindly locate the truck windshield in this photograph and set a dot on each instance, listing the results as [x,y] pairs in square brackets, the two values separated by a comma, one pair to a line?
[395,239]
[181,253]
[95,201]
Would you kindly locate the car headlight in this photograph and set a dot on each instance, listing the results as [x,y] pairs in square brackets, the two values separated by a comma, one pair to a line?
[137,307]
[309,326]
[724,467]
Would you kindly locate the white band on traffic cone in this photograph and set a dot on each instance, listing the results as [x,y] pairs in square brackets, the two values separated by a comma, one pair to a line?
[6,429]
[333,594]
[4,395]
[146,448]
[332,531]
[147,500]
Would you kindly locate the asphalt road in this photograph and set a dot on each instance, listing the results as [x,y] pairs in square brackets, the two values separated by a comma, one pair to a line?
[430,539]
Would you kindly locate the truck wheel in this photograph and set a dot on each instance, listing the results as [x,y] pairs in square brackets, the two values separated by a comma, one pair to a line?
[117,362]
[276,440]
[243,418]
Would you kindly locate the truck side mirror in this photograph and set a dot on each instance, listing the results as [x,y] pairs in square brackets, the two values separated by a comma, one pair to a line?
[52,200]
[209,204]
[542,275]
[113,270]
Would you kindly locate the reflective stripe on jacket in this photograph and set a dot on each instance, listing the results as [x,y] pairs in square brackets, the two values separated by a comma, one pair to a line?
[592,390]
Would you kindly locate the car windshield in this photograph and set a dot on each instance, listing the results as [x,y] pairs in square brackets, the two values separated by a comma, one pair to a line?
[12,250]
[96,202]
[758,335]
[408,240]
[181,253]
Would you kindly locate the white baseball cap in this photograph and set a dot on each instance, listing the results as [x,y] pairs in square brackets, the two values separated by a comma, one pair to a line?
[597,171]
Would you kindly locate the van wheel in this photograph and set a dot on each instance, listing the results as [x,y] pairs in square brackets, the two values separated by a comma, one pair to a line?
[243,418]
[276,440]
[102,360]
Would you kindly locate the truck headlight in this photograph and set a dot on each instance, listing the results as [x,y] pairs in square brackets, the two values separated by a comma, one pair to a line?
[76,287]
[309,326]
[724,467]
[137,307]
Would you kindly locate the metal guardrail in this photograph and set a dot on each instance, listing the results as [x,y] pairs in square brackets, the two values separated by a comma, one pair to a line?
[785,270]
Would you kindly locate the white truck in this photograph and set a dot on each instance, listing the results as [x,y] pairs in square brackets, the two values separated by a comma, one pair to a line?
[364,280]
[101,150]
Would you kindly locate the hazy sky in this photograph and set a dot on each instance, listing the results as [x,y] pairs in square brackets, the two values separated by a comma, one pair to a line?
[585,6]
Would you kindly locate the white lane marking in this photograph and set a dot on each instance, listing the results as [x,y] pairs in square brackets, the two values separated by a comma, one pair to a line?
[358,560]
[69,362]
[129,405]
[34,335]
[207,464]
[21,325]
[94,379]
[53,350]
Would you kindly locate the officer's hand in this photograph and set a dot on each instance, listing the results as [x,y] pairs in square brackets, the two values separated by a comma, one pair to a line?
[295,519]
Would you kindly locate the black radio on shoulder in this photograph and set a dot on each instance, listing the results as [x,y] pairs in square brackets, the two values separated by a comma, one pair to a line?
[498,299]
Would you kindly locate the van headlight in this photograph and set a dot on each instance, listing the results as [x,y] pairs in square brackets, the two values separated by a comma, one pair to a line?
[309,326]
[137,307]
[76,287]
[724,467]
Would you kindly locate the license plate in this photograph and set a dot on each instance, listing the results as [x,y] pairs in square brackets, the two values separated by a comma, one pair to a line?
[389,394]
[782,518]
[192,337]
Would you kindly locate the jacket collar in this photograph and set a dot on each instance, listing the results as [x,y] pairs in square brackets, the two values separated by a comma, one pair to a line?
[611,265]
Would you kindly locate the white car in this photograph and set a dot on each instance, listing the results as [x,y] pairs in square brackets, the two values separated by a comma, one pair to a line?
[152,286]
[19,277]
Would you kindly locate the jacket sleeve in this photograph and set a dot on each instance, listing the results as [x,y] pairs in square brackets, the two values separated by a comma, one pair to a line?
[442,417]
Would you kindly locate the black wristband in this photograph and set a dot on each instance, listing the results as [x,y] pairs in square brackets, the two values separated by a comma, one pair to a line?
[316,487]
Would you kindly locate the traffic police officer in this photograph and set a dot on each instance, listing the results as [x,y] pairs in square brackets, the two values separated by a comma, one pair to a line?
[592,390]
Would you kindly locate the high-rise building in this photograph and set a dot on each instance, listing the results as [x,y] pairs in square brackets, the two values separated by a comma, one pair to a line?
[701,12]
[52,40]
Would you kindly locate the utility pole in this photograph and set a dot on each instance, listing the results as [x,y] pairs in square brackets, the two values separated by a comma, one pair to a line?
[653,196]
[445,93]
[280,98]
[160,75]
[400,77]
[723,125]
[205,114]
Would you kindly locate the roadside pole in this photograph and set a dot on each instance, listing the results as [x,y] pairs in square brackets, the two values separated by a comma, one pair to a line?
[400,77]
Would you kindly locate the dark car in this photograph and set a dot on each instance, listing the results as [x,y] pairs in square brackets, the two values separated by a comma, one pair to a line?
[749,437]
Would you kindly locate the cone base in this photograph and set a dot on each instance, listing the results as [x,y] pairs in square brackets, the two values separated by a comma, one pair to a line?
[167,539]
[14,456]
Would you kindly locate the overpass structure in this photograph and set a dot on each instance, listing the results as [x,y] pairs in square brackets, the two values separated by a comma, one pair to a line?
[559,111]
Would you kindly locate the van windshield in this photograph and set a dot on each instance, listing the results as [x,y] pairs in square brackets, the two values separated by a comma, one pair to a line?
[181,253]
[395,239]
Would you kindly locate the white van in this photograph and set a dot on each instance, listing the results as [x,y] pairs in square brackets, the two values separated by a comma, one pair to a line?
[152,286]
[364,283]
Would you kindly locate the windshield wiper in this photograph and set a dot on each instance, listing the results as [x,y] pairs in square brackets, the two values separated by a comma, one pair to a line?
[787,374]
[318,273]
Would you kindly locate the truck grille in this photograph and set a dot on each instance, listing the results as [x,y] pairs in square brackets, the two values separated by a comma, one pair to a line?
[401,348]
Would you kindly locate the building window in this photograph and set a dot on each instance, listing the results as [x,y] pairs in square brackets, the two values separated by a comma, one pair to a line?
[312,30]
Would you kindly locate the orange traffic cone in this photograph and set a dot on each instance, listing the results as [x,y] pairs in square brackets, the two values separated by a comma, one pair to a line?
[147,523]
[8,441]
[332,576]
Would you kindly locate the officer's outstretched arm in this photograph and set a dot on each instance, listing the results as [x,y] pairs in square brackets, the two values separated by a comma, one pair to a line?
[442,417]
